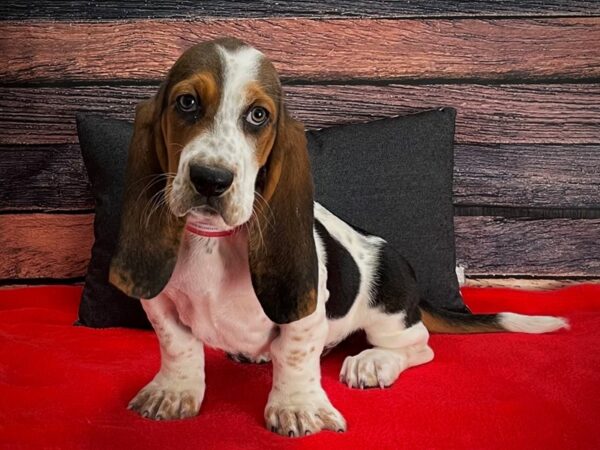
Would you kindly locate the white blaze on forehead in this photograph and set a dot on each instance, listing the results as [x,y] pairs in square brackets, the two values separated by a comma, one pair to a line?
[225,144]
[240,68]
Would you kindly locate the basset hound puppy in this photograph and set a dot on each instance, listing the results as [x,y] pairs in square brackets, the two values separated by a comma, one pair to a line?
[223,242]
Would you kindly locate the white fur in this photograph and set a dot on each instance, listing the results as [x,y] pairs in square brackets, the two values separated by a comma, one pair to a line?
[178,388]
[364,252]
[396,347]
[211,295]
[225,144]
[297,404]
[531,324]
[210,299]
[381,367]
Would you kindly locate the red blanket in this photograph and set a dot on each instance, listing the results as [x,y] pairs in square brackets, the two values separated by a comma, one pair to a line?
[67,387]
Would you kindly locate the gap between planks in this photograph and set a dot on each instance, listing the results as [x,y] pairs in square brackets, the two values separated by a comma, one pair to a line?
[189,9]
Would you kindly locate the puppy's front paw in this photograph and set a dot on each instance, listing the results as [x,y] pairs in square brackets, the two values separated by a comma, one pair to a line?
[303,416]
[166,403]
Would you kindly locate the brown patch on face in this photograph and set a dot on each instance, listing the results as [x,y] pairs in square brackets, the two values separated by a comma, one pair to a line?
[148,244]
[265,137]
[178,131]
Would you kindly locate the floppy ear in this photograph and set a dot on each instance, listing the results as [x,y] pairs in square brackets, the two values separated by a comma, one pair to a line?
[150,235]
[282,253]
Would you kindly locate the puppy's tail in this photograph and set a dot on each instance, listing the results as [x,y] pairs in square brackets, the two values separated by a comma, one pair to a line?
[443,321]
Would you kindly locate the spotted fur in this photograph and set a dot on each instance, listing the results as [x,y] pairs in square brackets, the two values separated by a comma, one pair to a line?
[269,289]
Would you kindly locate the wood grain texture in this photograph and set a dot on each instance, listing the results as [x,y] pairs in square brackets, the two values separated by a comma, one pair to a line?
[53,177]
[44,245]
[536,113]
[555,247]
[43,178]
[532,176]
[57,246]
[330,49]
[190,9]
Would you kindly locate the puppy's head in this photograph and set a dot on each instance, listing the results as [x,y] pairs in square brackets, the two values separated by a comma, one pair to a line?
[219,115]
[210,149]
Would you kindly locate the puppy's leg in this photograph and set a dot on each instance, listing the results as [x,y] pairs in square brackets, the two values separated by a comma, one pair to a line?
[297,404]
[177,390]
[395,349]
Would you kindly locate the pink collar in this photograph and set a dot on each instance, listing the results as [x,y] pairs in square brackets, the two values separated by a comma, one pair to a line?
[208,233]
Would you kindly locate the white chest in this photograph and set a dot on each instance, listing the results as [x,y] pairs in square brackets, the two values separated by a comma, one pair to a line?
[212,291]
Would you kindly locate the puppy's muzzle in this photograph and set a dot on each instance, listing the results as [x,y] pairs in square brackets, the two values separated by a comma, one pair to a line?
[210,181]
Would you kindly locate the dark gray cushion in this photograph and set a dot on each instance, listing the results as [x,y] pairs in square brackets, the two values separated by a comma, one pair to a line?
[104,145]
[391,177]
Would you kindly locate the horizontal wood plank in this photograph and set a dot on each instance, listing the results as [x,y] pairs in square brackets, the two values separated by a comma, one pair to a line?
[41,51]
[45,245]
[527,176]
[552,247]
[44,178]
[536,113]
[57,246]
[190,9]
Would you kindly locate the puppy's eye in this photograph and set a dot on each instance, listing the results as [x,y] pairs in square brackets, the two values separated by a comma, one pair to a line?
[187,103]
[257,116]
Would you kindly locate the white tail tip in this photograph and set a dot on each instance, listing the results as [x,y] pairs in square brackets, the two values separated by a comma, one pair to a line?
[531,324]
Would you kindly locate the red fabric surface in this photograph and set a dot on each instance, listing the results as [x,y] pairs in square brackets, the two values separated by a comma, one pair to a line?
[68,387]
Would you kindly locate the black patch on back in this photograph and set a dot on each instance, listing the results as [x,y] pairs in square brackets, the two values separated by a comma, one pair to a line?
[343,276]
[396,286]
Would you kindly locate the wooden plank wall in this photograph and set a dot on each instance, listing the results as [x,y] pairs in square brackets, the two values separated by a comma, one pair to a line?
[523,75]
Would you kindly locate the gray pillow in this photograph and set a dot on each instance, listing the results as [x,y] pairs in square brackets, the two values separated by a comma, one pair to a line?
[391,177]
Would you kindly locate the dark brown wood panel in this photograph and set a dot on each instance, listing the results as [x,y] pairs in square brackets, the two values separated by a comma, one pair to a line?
[44,245]
[536,113]
[524,247]
[527,176]
[47,115]
[330,49]
[43,178]
[189,9]
[57,246]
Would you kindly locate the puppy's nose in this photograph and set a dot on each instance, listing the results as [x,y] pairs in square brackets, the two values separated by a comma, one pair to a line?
[210,181]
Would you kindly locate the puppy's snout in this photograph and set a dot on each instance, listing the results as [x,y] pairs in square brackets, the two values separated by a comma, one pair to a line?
[210,181]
